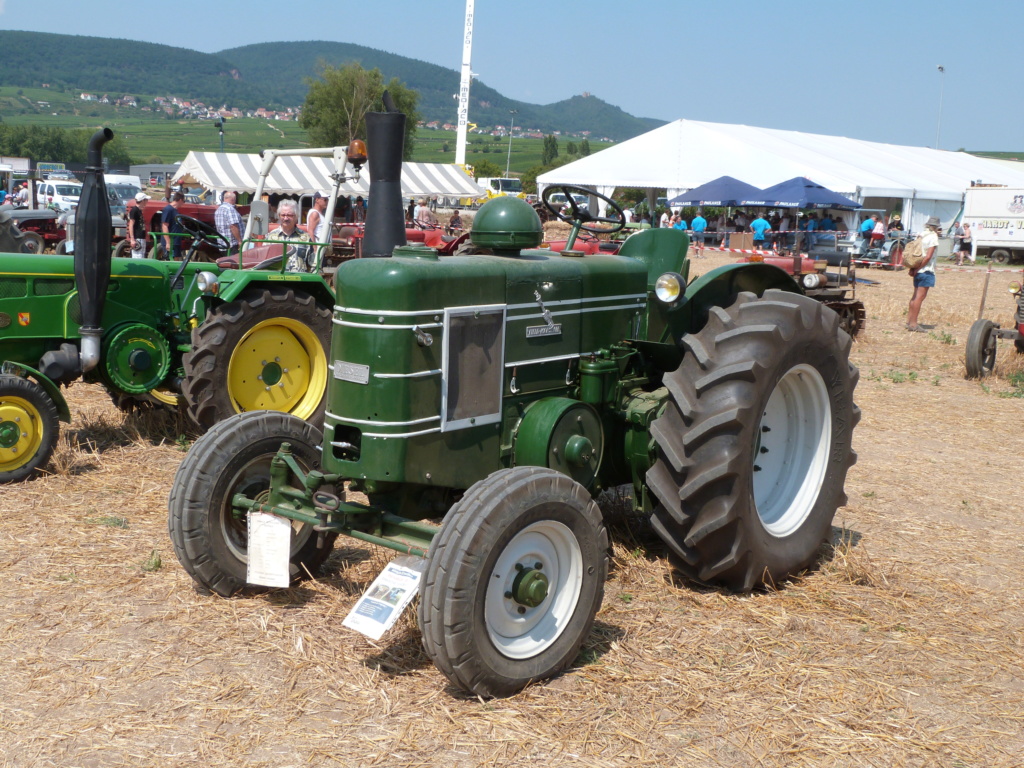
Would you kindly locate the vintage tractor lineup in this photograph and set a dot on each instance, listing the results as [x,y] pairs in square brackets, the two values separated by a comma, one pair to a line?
[466,409]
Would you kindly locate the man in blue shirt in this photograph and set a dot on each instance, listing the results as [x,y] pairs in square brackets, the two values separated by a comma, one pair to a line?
[170,226]
[698,225]
[760,227]
[866,228]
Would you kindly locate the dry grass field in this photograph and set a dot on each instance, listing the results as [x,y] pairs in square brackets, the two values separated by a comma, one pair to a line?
[905,647]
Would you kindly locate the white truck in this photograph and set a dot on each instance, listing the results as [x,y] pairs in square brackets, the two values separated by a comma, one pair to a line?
[996,216]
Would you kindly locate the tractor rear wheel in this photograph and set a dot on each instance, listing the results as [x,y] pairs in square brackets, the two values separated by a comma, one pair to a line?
[267,350]
[755,441]
[28,428]
[980,357]
[514,580]
[32,242]
[210,537]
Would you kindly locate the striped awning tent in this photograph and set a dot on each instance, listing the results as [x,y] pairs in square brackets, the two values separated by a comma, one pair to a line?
[221,171]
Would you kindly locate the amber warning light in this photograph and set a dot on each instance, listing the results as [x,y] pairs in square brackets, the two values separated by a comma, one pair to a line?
[357,153]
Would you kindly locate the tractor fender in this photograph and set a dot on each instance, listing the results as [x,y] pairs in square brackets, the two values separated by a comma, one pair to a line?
[235,282]
[720,287]
[51,389]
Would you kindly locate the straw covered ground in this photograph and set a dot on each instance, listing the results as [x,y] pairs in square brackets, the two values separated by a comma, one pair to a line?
[903,648]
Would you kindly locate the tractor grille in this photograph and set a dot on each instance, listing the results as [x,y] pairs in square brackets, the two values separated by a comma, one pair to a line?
[75,310]
[13,287]
[50,286]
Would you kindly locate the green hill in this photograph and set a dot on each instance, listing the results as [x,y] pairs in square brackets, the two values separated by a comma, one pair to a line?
[274,75]
[282,68]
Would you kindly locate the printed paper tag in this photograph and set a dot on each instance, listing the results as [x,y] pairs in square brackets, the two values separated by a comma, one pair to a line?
[381,605]
[270,541]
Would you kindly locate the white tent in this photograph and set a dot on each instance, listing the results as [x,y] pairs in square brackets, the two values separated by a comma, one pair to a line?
[220,171]
[687,153]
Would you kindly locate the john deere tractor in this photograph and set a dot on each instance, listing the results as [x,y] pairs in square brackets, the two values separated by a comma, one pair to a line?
[480,403]
[223,340]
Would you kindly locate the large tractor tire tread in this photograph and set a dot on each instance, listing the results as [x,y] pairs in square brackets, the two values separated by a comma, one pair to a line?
[781,359]
[207,384]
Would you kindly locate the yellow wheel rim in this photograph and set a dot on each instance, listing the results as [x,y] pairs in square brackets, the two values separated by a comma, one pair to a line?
[279,365]
[21,432]
[164,395]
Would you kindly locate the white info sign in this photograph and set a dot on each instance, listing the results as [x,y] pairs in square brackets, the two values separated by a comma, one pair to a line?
[270,542]
[381,605]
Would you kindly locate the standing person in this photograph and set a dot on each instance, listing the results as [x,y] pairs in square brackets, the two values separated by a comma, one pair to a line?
[760,227]
[21,198]
[299,254]
[229,223]
[924,276]
[699,225]
[962,243]
[359,209]
[170,226]
[137,226]
[316,222]
[866,228]
[666,219]
[421,215]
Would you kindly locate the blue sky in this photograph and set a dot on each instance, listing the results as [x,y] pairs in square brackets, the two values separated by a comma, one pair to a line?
[866,70]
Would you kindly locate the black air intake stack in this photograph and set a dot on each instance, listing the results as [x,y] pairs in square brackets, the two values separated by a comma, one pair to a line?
[92,249]
[385,217]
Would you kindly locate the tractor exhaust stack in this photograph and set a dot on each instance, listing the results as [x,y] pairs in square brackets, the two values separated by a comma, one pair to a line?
[385,218]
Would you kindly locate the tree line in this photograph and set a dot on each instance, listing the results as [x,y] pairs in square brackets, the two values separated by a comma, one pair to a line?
[57,145]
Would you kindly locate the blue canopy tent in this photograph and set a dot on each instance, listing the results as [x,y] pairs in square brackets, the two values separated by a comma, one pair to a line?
[725,191]
[801,192]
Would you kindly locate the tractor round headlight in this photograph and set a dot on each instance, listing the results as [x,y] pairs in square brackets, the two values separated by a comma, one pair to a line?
[669,287]
[207,282]
[1014,287]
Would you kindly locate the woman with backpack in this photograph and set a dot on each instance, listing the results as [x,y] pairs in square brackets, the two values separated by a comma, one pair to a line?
[924,275]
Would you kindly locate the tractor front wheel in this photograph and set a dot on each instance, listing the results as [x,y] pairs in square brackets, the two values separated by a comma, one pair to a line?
[209,535]
[28,428]
[980,356]
[754,443]
[514,580]
[265,351]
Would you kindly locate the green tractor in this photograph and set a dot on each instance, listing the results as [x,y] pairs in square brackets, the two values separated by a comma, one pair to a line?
[224,341]
[481,402]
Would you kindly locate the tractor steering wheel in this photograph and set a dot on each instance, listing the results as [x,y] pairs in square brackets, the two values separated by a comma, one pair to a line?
[201,231]
[580,217]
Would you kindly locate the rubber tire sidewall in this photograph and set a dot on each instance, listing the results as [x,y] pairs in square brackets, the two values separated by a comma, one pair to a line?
[473,537]
[718,394]
[49,424]
[974,350]
[200,494]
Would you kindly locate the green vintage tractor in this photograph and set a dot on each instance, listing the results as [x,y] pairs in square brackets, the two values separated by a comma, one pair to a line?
[481,402]
[225,341]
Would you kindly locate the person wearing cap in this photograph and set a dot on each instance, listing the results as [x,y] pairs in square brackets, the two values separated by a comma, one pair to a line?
[421,214]
[924,276]
[137,226]
[316,222]
[229,222]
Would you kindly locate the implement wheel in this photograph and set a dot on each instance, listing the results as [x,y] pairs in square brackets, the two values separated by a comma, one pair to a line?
[265,351]
[32,242]
[754,442]
[210,537]
[981,349]
[514,580]
[28,428]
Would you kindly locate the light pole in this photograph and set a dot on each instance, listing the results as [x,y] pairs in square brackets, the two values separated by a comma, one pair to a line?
[512,123]
[942,87]
[219,125]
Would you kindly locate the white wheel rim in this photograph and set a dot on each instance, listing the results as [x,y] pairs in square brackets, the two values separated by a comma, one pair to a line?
[522,635]
[791,450]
